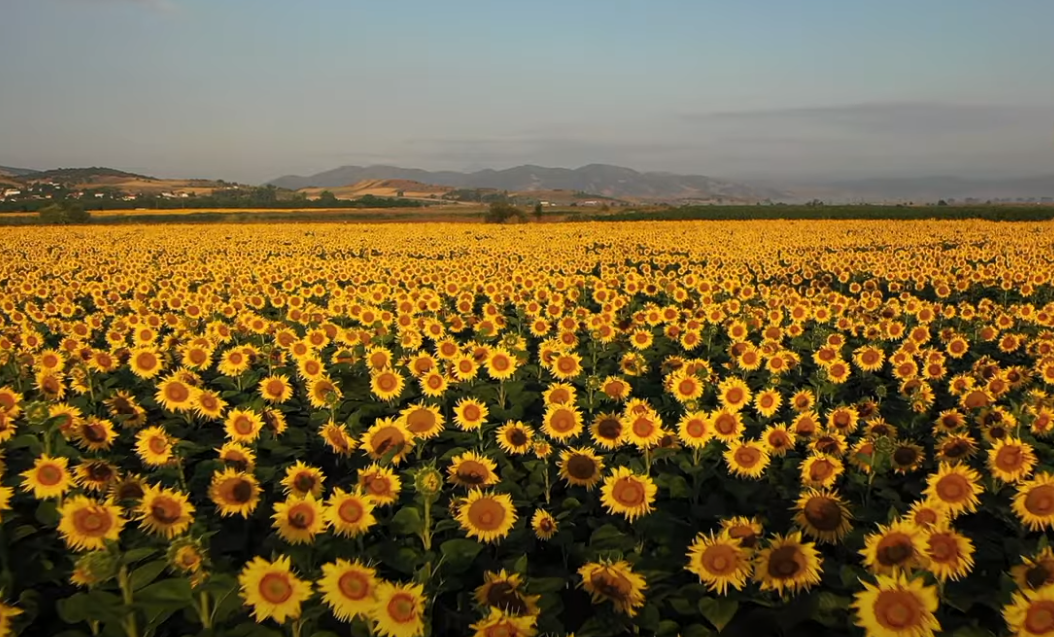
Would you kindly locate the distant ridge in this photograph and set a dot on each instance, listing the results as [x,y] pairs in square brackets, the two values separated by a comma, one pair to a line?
[8,171]
[597,179]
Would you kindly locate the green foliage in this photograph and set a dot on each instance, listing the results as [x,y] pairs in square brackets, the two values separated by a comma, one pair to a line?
[64,213]
[500,212]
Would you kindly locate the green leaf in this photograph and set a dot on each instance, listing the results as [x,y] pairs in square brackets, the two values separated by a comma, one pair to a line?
[696,630]
[609,538]
[136,555]
[459,554]
[93,605]
[675,484]
[682,606]
[547,584]
[570,504]
[521,565]
[718,610]
[146,574]
[47,513]
[406,521]
[173,591]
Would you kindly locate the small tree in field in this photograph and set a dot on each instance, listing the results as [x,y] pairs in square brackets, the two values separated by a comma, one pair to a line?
[64,213]
[501,212]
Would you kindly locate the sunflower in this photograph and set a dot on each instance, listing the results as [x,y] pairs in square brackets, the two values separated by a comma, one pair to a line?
[949,553]
[502,592]
[299,519]
[145,362]
[1036,571]
[747,459]
[580,467]
[726,425]
[897,607]
[628,493]
[243,425]
[238,456]
[94,434]
[388,438]
[164,512]
[1034,502]
[823,515]
[472,470]
[486,517]
[6,493]
[927,513]
[614,582]
[348,588]
[747,530]
[899,545]
[10,401]
[821,470]
[544,525]
[399,610]
[128,489]
[433,384]
[338,439]
[805,425]
[234,492]
[788,564]
[607,431]
[1011,460]
[95,475]
[768,402]
[559,394]
[642,425]
[49,477]
[124,409]
[719,562]
[323,393]
[50,385]
[464,368]
[272,589]
[733,394]
[693,429]
[956,448]
[615,388]
[301,479]
[562,422]
[501,364]
[387,384]
[86,524]
[380,483]
[685,387]
[778,439]
[276,389]
[502,624]
[1030,613]
[174,394]
[208,405]
[469,414]
[956,487]
[907,456]
[566,366]
[423,421]
[514,438]
[349,514]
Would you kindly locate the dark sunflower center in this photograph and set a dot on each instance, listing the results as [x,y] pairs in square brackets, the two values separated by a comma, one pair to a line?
[581,467]
[895,553]
[304,482]
[503,596]
[130,491]
[905,456]
[242,491]
[99,472]
[823,513]
[165,512]
[783,562]
[517,437]
[609,428]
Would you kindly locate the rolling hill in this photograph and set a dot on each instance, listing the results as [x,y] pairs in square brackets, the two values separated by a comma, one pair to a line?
[382,188]
[599,179]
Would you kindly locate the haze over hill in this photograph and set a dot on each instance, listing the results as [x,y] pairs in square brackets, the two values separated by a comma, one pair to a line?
[598,179]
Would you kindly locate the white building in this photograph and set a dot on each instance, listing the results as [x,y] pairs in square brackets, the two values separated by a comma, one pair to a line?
[11,192]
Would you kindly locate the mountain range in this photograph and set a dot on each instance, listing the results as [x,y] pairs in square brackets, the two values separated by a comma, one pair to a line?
[596,179]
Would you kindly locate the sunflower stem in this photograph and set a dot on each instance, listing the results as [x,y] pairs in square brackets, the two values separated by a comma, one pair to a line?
[93,624]
[203,610]
[123,580]
[295,627]
[426,532]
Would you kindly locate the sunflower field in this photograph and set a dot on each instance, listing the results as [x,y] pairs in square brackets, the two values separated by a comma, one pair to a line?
[701,428]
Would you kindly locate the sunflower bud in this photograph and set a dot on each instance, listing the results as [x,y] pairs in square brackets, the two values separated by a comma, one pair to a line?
[37,413]
[186,555]
[428,482]
[94,568]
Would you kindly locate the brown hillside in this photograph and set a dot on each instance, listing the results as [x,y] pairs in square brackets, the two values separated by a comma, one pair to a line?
[382,188]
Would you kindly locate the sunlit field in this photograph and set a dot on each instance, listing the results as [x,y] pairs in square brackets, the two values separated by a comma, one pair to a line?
[751,427]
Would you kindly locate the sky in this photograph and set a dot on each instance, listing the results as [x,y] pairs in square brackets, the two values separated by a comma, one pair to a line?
[249,90]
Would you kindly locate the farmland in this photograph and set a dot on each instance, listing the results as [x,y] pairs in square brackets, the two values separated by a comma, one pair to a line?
[747,427]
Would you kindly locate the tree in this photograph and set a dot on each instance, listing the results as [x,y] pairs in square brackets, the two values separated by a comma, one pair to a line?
[501,212]
[327,198]
[538,211]
[64,213]
[942,203]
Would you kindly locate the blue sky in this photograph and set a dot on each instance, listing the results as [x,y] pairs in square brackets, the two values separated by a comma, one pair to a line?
[748,89]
